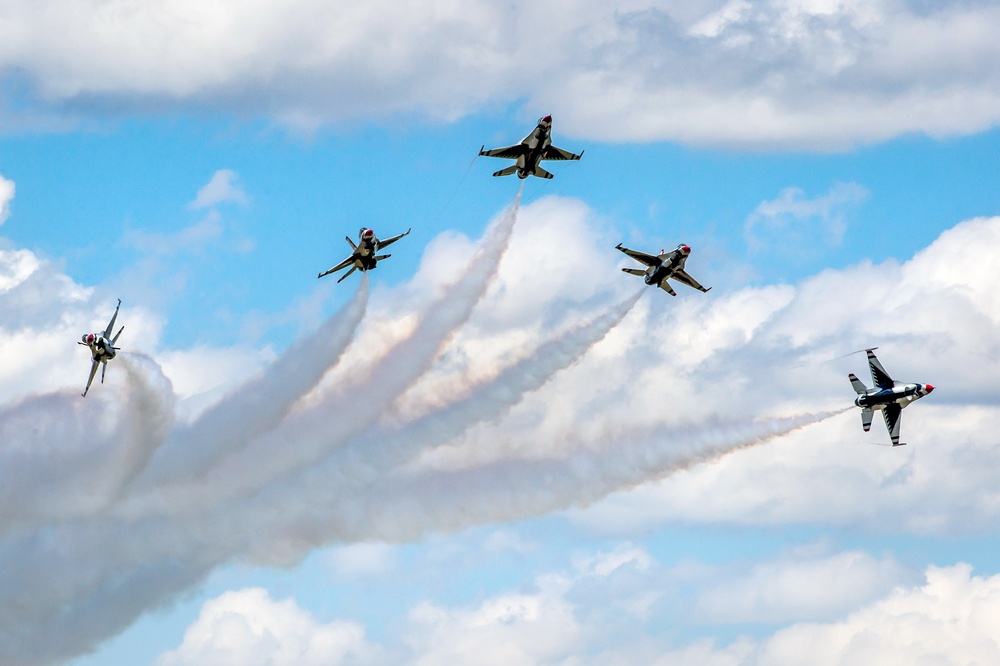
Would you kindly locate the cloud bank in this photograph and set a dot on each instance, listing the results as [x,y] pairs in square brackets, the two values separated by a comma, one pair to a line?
[836,608]
[827,74]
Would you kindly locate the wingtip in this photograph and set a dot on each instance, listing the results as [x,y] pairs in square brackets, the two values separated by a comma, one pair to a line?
[482,149]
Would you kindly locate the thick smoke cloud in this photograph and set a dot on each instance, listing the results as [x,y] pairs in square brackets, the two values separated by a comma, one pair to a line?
[145,508]
[101,524]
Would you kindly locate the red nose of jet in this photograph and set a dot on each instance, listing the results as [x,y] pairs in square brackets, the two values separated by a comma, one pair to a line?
[547,119]
[685,249]
[928,388]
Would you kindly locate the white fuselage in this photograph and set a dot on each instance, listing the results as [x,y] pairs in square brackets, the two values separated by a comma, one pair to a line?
[670,263]
[539,139]
[101,348]
[900,394]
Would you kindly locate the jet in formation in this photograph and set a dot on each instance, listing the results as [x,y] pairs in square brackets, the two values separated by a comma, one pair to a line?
[363,256]
[534,148]
[663,267]
[887,395]
[102,348]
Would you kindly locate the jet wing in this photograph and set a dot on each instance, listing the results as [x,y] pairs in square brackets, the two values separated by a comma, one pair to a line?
[553,153]
[508,153]
[879,375]
[682,277]
[90,380]
[892,414]
[344,264]
[389,241]
[111,324]
[647,259]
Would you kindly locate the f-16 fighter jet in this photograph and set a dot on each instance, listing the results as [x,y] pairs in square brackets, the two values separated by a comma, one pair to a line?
[102,348]
[886,395]
[534,148]
[364,256]
[665,266]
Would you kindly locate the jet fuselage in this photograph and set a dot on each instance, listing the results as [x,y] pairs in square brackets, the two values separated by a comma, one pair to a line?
[670,263]
[537,142]
[901,394]
[101,348]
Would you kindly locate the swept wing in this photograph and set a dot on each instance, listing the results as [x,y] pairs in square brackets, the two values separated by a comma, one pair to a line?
[111,324]
[90,380]
[508,153]
[682,277]
[344,264]
[879,375]
[553,153]
[647,259]
[892,414]
[390,241]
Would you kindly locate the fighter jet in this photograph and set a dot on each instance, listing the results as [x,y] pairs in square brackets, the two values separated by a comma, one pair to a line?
[363,256]
[887,395]
[665,266]
[534,148]
[102,348]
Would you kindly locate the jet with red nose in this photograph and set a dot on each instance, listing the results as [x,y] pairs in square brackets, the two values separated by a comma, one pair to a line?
[102,348]
[363,255]
[887,396]
[662,267]
[533,148]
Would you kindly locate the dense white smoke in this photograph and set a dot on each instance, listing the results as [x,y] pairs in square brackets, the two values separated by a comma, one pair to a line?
[110,509]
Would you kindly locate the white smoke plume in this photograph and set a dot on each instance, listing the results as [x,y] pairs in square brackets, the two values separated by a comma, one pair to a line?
[64,457]
[286,463]
[354,404]
[261,403]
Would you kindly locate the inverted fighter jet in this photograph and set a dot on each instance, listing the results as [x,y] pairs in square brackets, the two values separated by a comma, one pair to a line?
[665,266]
[102,348]
[533,148]
[887,395]
[363,256]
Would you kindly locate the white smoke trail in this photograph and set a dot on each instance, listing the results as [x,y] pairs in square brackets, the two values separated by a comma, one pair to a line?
[261,403]
[501,491]
[355,404]
[368,456]
[124,568]
[64,457]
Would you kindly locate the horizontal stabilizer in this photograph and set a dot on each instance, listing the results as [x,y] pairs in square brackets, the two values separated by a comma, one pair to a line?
[858,385]
[509,171]
[541,173]
[634,271]
[866,418]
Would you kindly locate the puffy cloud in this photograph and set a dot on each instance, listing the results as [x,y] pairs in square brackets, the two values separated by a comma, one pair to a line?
[613,606]
[951,619]
[222,188]
[248,627]
[779,73]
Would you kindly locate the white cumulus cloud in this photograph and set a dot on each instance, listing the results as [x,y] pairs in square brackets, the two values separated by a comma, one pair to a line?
[776,73]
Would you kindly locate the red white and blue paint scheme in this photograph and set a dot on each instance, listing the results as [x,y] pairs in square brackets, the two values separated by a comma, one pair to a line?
[534,148]
[887,395]
[662,267]
[363,257]
[102,348]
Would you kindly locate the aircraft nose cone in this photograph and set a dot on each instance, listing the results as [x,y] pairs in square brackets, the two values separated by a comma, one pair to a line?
[928,388]
[547,119]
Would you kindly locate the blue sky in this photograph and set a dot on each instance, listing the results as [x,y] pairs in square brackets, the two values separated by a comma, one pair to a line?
[499,454]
